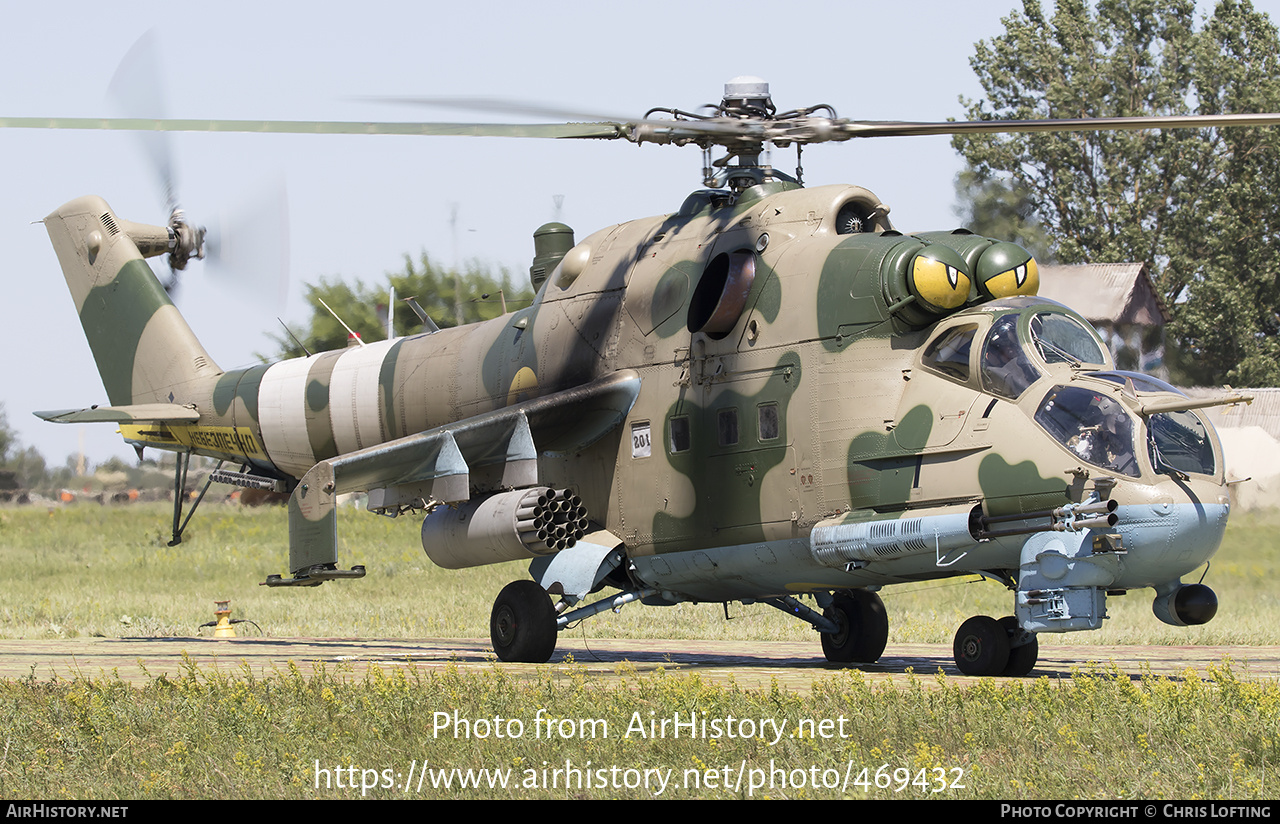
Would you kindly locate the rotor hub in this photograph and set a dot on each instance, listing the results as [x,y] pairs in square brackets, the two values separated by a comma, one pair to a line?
[747,96]
[185,241]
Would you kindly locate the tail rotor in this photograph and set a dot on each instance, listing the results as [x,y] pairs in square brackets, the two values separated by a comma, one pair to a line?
[248,251]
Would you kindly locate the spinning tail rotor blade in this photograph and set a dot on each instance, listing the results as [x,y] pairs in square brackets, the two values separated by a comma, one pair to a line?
[248,249]
[135,91]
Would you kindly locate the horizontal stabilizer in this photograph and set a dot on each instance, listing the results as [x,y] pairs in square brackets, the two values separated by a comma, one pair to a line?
[132,413]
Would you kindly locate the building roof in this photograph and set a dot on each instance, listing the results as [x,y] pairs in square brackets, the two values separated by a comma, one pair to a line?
[1264,412]
[1106,293]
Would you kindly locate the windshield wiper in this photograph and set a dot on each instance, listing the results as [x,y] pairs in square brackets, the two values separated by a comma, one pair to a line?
[1067,356]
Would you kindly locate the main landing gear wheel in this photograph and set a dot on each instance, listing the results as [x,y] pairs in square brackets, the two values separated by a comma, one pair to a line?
[1022,659]
[523,624]
[863,628]
[981,646]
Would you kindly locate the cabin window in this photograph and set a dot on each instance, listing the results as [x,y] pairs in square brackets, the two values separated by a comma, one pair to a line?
[679,430]
[727,426]
[767,421]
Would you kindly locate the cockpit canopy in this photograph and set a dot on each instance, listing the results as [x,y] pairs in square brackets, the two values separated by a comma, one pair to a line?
[1177,440]
[1093,426]
[1028,339]
[1020,343]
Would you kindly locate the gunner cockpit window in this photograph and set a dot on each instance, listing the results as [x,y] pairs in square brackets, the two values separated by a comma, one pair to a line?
[1094,427]
[1179,441]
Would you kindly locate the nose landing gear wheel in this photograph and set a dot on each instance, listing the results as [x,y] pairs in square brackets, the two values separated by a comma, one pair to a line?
[981,646]
[1022,659]
[523,624]
[863,628]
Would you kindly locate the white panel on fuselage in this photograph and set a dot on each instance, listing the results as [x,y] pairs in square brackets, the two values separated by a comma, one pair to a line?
[282,413]
[353,397]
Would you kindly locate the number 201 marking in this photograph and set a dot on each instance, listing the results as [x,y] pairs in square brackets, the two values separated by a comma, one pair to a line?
[641,446]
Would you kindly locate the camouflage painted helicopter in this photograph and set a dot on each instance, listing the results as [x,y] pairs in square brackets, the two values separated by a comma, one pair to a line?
[765,395]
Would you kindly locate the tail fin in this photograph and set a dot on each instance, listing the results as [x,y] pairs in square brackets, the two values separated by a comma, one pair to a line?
[144,349]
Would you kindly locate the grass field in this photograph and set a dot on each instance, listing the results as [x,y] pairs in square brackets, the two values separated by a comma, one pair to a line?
[88,570]
[107,571]
[486,735]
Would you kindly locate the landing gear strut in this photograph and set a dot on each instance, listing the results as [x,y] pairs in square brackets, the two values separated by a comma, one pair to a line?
[1023,651]
[182,460]
[523,624]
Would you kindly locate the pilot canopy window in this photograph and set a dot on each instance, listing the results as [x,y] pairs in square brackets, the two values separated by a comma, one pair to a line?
[1006,369]
[1061,339]
[949,352]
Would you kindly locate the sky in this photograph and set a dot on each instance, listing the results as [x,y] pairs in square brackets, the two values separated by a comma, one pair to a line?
[356,205]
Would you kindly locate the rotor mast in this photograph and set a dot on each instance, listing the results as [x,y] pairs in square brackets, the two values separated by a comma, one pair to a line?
[745,123]
[744,98]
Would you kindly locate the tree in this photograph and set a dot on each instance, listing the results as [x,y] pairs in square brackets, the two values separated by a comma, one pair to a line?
[479,293]
[1195,204]
[8,439]
[24,466]
[29,467]
[999,208]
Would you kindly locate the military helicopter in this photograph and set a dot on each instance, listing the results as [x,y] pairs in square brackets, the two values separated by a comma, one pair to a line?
[767,395]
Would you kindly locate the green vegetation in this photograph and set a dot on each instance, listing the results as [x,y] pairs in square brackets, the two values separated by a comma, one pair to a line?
[90,570]
[450,298]
[1194,204]
[333,735]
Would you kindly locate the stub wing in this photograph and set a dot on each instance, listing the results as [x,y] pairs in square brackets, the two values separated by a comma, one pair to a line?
[435,465]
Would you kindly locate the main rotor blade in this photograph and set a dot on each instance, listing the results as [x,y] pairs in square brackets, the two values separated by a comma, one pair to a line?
[499,105]
[644,130]
[872,128]
[135,89]
[602,131]
[804,130]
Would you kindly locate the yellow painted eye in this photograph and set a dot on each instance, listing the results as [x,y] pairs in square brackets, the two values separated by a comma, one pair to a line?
[1006,269]
[940,283]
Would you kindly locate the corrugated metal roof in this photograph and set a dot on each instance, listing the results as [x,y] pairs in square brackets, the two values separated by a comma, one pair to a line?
[1264,412]
[1113,293]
